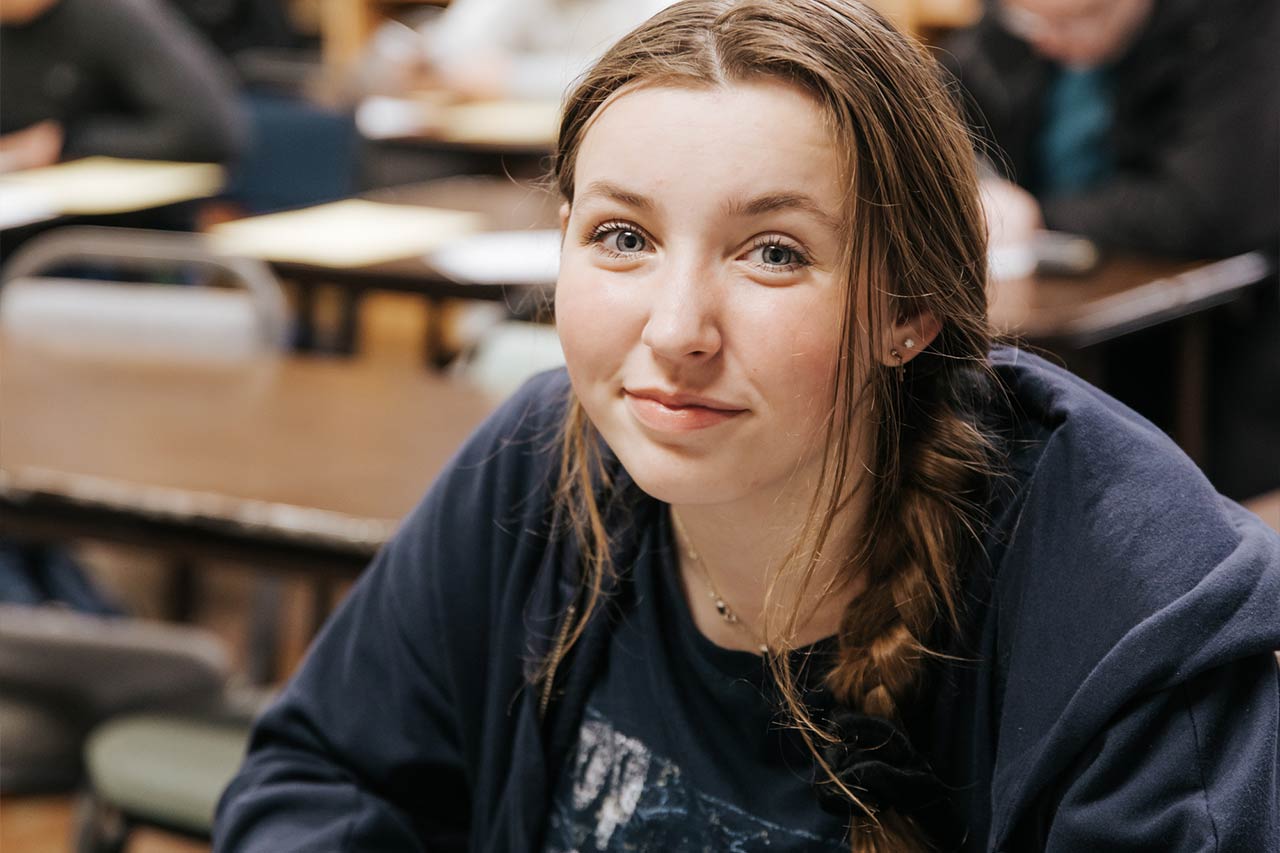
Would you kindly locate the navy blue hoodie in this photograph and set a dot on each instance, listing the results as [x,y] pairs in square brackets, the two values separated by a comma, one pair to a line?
[1118,689]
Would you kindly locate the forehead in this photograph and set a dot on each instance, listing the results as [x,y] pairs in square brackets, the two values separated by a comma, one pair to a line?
[737,138]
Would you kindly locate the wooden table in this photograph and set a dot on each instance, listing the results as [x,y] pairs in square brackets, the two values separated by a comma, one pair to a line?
[1072,316]
[290,463]
[505,204]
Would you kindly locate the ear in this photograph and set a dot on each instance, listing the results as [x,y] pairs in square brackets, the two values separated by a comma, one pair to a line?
[564,218]
[908,337]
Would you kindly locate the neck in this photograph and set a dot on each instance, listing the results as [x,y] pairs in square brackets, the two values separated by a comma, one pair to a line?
[742,546]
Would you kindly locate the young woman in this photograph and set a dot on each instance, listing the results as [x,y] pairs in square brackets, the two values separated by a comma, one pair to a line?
[790,558]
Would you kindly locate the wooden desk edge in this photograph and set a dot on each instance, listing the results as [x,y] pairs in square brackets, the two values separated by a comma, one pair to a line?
[1166,299]
[43,505]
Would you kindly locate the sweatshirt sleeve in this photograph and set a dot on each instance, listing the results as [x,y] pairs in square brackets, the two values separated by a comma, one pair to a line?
[179,95]
[375,742]
[1190,768]
[1139,697]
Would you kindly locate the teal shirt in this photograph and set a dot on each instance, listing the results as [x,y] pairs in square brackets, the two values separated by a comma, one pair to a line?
[1074,152]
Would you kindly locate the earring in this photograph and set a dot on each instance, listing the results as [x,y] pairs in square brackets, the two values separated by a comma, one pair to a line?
[901,368]
[909,343]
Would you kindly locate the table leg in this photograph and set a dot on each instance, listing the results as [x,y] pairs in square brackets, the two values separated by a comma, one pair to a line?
[180,604]
[348,337]
[321,604]
[1191,394]
[304,335]
[437,355]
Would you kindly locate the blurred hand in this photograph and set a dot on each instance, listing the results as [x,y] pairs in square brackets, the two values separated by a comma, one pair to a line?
[1013,214]
[34,146]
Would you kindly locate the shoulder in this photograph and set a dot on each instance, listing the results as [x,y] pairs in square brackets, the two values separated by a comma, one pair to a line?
[465,562]
[1119,575]
[507,468]
[1107,534]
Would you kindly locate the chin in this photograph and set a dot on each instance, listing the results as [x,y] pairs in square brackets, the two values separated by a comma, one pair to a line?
[675,479]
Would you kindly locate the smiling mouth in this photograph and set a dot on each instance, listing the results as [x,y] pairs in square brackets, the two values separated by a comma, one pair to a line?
[678,413]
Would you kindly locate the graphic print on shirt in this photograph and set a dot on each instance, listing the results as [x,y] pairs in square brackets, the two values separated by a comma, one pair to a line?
[617,794]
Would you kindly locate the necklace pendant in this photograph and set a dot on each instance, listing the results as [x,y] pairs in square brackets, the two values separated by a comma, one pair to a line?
[725,613]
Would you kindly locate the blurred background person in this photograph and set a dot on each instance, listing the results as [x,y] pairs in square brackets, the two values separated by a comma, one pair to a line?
[1143,124]
[502,48]
[123,78]
[1150,126]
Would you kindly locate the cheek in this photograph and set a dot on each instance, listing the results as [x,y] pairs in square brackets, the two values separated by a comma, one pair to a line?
[807,353]
[589,319]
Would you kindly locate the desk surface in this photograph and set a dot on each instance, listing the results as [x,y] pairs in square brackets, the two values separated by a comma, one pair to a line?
[505,205]
[1123,295]
[310,458]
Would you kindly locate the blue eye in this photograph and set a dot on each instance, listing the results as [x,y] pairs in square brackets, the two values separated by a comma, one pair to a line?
[773,255]
[777,256]
[619,239]
[626,241]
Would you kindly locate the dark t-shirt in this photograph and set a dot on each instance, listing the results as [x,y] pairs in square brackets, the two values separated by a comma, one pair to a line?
[682,746]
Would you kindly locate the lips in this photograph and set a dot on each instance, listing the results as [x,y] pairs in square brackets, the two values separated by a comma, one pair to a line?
[677,412]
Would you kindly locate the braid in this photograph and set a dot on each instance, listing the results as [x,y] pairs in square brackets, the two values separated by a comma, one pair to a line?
[918,537]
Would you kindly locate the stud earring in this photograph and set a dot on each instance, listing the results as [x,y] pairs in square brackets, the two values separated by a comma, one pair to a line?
[909,343]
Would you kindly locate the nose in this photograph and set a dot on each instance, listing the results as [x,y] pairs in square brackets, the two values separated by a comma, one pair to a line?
[684,321]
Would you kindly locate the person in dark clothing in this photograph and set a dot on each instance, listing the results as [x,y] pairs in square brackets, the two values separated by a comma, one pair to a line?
[1143,125]
[1150,127]
[122,78]
[789,557]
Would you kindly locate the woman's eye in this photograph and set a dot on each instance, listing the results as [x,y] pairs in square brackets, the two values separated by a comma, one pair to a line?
[626,241]
[778,257]
[617,238]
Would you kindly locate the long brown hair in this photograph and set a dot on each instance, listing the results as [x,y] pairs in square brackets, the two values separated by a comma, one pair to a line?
[916,243]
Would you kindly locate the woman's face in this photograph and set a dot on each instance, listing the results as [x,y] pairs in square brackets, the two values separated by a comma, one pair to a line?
[699,302]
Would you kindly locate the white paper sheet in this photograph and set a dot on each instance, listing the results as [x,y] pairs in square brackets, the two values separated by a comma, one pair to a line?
[506,122]
[531,123]
[102,185]
[350,233]
[502,257]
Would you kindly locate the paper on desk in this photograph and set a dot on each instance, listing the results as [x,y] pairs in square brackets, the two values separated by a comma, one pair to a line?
[502,257]
[350,233]
[23,205]
[501,122]
[522,123]
[98,185]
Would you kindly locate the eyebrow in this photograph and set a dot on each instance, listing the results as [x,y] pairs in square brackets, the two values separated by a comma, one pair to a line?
[781,201]
[605,189]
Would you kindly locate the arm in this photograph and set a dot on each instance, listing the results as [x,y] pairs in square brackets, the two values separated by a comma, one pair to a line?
[1192,768]
[400,728]
[180,93]
[1132,643]
[362,751]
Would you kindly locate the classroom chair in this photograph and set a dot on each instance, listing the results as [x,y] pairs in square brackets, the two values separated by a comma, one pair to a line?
[63,672]
[162,770]
[94,290]
[508,353]
[149,295]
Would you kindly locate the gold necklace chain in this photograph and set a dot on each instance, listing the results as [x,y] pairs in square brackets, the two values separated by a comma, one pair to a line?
[722,606]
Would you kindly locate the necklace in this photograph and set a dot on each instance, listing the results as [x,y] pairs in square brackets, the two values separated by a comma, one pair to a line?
[722,606]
